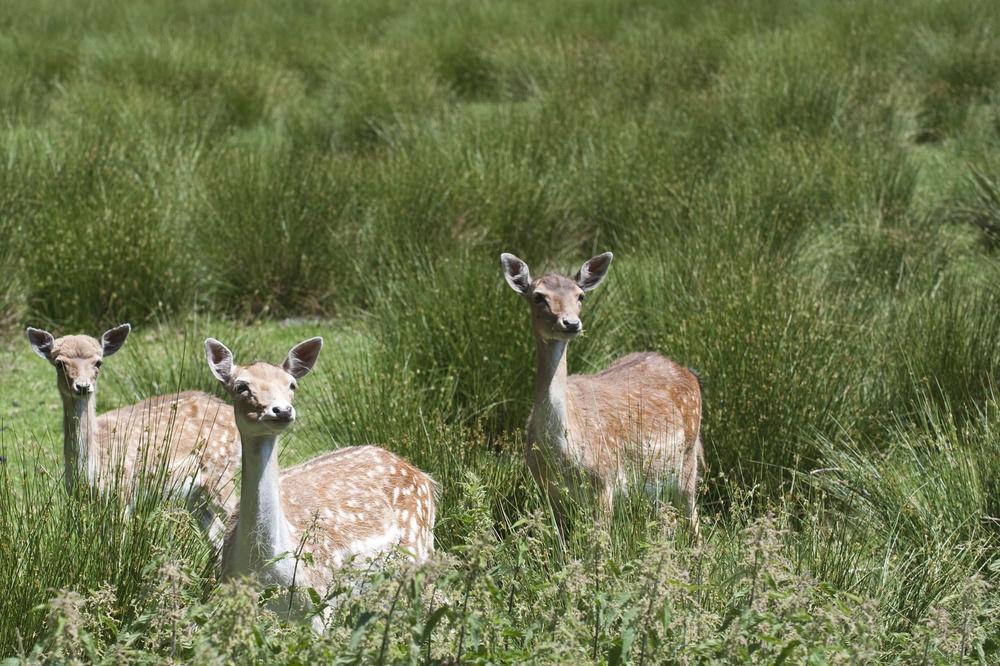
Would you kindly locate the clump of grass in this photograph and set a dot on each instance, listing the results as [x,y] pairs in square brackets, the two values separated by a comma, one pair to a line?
[948,349]
[961,68]
[97,242]
[983,211]
[274,232]
[467,368]
[933,478]
[467,72]
[83,542]
[11,292]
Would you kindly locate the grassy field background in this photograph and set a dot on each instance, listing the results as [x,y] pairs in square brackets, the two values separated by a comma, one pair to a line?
[803,199]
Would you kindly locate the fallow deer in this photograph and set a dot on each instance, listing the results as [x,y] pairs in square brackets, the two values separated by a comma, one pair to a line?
[356,502]
[192,433]
[639,419]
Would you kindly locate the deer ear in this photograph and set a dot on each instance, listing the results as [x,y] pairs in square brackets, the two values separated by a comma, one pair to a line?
[41,341]
[302,357]
[220,360]
[515,271]
[593,271]
[114,338]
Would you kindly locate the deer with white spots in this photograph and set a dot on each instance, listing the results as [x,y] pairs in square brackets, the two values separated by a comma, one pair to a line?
[356,502]
[192,433]
[639,420]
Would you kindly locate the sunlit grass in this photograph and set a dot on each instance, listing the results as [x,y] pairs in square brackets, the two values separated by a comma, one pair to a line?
[802,201]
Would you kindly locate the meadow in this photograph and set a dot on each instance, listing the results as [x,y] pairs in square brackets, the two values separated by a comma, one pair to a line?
[803,199]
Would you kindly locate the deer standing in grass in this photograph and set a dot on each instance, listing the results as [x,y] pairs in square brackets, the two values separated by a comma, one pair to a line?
[639,419]
[192,433]
[358,501]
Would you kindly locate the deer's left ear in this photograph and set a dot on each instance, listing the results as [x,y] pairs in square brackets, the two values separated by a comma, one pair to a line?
[302,357]
[593,271]
[114,338]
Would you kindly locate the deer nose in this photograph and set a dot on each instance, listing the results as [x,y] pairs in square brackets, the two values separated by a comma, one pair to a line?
[571,324]
[283,412]
[83,388]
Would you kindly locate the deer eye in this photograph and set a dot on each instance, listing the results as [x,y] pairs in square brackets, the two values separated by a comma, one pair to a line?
[243,387]
[293,386]
[580,298]
[540,299]
[98,363]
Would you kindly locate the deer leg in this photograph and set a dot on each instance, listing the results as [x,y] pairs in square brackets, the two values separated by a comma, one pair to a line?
[208,514]
[551,492]
[605,499]
[686,496]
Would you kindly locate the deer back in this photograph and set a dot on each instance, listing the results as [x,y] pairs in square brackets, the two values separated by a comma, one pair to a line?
[643,409]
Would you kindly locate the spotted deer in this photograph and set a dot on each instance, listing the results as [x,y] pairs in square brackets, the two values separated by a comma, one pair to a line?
[639,419]
[356,502]
[192,433]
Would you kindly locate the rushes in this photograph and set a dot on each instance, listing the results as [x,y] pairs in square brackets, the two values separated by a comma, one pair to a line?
[778,182]
[146,177]
[747,591]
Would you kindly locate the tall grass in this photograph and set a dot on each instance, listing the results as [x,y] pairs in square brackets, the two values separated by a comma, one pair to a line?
[96,544]
[802,201]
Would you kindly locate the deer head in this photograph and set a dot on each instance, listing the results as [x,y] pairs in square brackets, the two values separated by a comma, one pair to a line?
[77,358]
[262,393]
[555,300]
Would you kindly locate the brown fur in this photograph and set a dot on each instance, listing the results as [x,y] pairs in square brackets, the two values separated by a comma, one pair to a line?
[637,420]
[192,433]
[351,495]
[625,416]
[359,501]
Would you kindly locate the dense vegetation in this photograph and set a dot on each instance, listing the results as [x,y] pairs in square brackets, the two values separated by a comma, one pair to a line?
[804,203]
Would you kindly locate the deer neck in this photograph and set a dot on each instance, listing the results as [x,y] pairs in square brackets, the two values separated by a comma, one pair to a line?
[80,449]
[262,532]
[549,421]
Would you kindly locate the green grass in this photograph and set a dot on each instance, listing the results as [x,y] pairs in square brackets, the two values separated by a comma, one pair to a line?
[803,202]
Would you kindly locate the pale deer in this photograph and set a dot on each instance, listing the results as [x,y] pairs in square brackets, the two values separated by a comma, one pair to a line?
[353,503]
[638,420]
[192,433]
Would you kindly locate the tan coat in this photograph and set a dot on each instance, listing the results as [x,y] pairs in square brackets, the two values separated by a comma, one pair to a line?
[638,421]
[192,433]
[294,528]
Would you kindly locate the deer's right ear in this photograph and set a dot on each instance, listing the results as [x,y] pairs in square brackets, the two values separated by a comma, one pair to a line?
[220,360]
[593,271]
[302,357]
[41,341]
[516,273]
